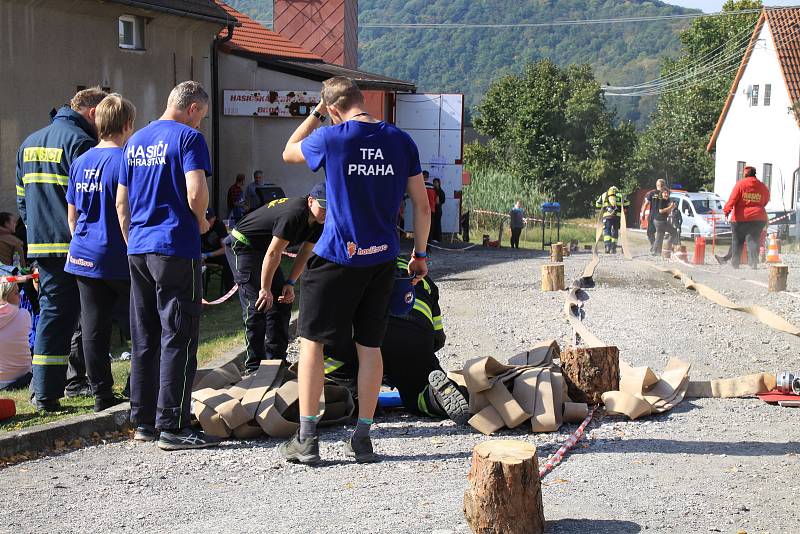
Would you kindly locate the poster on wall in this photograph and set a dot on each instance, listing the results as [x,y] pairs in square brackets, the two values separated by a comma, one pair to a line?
[270,103]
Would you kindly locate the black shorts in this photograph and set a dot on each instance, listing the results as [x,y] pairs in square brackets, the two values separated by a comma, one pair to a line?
[339,303]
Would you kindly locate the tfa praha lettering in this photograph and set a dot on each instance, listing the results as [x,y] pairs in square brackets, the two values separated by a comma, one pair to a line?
[370,169]
[752,197]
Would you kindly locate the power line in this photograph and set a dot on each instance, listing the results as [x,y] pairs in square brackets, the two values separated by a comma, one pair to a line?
[687,81]
[581,22]
[703,62]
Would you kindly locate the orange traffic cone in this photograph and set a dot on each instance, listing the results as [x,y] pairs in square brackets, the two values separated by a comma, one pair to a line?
[772,250]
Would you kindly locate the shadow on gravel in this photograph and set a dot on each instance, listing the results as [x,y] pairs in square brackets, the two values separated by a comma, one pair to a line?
[591,525]
[673,446]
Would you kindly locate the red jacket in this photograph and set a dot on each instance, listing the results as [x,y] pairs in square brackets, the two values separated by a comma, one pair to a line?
[747,201]
[431,196]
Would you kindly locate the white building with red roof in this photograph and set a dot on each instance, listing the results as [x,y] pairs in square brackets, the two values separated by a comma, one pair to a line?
[760,123]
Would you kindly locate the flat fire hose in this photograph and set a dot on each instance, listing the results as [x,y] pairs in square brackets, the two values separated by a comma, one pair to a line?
[643,393]
[529,388]
[264,402]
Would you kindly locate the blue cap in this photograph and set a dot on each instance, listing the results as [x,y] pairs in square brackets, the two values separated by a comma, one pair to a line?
[318,194]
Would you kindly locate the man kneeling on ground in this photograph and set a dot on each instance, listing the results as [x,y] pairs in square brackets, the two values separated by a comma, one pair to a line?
[414,334]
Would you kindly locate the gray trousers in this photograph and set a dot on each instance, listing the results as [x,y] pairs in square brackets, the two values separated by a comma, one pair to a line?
[663,227]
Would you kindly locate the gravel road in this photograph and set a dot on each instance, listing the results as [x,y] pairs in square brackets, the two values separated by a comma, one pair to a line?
[710,465]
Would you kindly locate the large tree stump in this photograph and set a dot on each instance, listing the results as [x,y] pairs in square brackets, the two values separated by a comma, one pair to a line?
[590,372]
[505,493]
[552,277]
[557,252]
[778,273]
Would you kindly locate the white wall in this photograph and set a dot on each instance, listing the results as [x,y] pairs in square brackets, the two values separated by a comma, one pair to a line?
[250,143]
[759,134]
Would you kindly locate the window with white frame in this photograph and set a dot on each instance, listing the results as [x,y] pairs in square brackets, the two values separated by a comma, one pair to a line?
[739,170]
[767,94]
[131,32]
[754,96]
[766,177]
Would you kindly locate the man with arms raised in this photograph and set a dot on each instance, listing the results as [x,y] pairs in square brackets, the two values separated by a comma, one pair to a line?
[347,285]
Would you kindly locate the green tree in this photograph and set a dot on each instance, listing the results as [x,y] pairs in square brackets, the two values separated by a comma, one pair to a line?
[674,144]
[549,128]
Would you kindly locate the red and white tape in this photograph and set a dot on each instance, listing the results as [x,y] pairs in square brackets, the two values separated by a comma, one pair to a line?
[556,458]
[223,298]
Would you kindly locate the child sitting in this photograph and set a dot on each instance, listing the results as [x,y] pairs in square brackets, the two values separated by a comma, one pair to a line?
[15,353]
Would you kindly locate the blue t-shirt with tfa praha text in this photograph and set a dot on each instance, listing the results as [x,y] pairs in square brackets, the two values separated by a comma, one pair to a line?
[367,167]
[157,159]
[97,249]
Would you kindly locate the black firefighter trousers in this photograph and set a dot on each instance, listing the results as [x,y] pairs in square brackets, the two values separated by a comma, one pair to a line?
[266,332]
[166,293]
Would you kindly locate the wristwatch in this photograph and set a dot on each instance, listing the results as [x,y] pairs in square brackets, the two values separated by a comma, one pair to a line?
[319,115]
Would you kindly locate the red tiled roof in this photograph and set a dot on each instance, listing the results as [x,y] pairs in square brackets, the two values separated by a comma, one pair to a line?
[253,38]
[784,24]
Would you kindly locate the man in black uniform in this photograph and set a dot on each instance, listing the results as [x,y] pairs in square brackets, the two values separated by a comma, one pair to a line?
[254,251]
[212,247]
[409,355]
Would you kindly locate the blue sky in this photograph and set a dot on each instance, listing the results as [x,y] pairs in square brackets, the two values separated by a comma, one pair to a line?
[709,6]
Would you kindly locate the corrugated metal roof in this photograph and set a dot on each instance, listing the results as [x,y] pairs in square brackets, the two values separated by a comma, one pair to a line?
[254,38]
[322,71]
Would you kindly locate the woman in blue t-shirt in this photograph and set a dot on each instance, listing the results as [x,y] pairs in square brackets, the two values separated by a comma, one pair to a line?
[98,256]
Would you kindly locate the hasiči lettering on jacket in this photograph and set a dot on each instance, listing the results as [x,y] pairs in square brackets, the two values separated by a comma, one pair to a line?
[751,196]
[371,169]
[141,156]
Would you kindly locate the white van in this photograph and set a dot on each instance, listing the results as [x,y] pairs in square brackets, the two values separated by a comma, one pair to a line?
[702,214]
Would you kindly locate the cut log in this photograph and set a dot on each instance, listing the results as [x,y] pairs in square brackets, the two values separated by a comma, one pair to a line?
[504,493]
[557,252]
[552,277]
[778,273]
[590,372]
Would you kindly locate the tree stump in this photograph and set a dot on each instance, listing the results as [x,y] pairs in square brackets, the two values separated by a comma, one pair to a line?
[778,273]
[557,252]
[505,493]
[552,277]
[590,372]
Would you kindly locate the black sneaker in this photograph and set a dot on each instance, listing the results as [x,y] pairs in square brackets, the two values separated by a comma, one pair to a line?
[361,450]
[45,406]
[721,260]
[103,403]
[186,439]
[145,433]
[449,397]
[304,451]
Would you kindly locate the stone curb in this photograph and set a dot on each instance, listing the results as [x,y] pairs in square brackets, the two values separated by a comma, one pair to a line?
[42,437]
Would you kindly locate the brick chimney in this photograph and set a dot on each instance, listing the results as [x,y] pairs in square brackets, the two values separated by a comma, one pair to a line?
[328,28]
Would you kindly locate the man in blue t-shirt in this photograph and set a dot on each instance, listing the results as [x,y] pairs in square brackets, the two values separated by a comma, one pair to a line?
[369,165]
[161,201]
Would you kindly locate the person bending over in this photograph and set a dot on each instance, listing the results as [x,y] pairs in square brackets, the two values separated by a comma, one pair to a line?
[254,251]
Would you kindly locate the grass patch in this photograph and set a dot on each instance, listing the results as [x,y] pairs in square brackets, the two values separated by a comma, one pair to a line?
[221,330]
[581,230]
